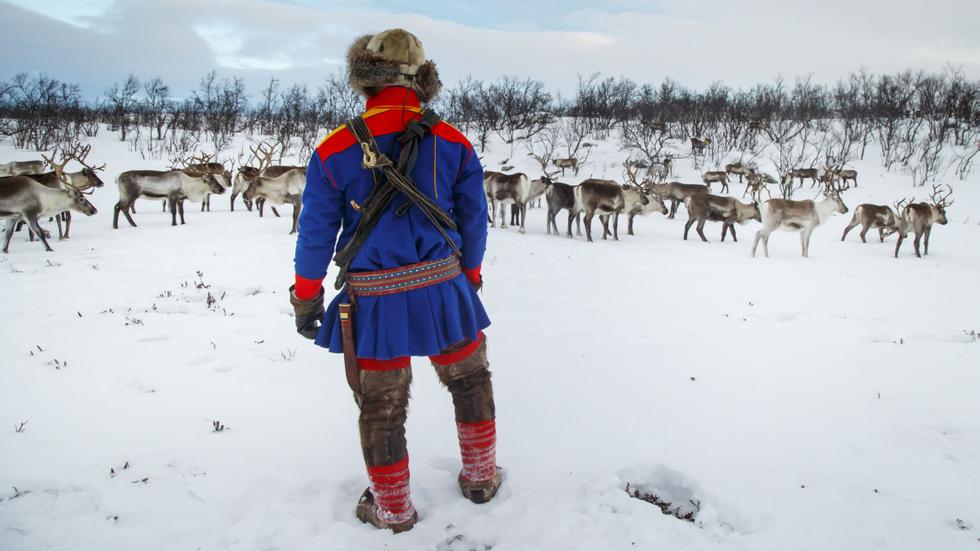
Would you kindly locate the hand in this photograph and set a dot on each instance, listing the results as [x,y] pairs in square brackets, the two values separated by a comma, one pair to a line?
[475,277]
[309,313]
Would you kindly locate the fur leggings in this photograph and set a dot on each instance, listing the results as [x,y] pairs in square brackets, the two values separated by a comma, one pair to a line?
[385,393]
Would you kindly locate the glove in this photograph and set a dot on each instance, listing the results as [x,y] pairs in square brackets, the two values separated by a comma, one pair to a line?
[309,313]
[476,279]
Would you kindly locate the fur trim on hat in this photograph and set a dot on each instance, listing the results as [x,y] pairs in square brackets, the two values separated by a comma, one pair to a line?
[368,73]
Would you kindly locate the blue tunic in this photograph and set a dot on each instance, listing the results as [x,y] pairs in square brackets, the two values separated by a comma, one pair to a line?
[425,321]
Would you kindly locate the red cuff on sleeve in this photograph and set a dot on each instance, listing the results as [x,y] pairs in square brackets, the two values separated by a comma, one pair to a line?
[307,288]
[472,274]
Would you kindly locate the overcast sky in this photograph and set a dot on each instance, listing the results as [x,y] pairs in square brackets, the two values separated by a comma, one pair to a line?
[696,42]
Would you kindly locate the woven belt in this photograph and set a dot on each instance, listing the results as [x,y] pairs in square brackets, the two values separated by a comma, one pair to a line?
[406,278]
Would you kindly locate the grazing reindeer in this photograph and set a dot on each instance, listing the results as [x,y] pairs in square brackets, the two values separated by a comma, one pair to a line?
[727,210]
[604,197]
[798,216]
[172,185]
[716,176]
[571,163]
[803,173]
[505,189]
[18,168]
[676,192]
[922,216]
[738,168]
[22,198]
[562,196]
[887,221]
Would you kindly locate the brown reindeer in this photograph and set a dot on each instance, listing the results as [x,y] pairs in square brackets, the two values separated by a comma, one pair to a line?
[797,216]
[727,210]
[738,168]
[698,144]
[639,199]
[505,189]
[719,176]
[922,216]
[676,193]
[803,173]
[22,198]
[174,186]
[755,184]
[561,196]
[83,180]
[18,168]
[604,197]
[888,221]
[571,163]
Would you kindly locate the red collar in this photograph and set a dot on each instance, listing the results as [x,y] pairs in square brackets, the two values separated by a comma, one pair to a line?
[396,96]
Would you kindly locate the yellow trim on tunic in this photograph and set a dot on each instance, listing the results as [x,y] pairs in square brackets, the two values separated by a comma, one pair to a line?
[369,113]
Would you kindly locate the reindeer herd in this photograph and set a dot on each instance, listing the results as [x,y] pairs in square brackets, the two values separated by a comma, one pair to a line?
[27,194]
[609,199]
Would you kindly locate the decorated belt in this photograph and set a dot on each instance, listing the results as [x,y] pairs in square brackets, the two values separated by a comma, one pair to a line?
[403,279]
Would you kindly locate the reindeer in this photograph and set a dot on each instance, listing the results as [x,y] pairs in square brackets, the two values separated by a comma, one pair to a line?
[247,174]
[727,210]
[243,178]
[535,192]
[803,173]
[716,176]
[756,183]
[843,175]
[738,168]
[174,186]
[798,216]
[285,188]
[676,192]
[604,197]
[571,163]
[887,221]
[640,200]
[82,180]
[220,172]
[562,196]
[18,168]
[22,198]
[922,216]
[698,144]
[504,189]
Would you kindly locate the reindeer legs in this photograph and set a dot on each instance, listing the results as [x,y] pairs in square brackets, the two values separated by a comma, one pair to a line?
[8,232]
[31,220]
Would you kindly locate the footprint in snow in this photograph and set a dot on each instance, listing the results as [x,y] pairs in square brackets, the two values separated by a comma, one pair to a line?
[681,496]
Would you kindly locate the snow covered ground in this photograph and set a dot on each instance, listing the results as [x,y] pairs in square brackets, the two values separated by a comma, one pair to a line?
[820,403]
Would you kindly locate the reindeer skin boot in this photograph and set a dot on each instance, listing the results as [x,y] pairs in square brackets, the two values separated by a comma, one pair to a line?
[465,372]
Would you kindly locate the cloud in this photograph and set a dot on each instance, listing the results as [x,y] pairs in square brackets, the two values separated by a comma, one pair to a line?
[301,41]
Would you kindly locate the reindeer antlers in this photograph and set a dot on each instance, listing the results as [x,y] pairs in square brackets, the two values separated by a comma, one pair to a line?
[263,153]
[78,153]
[939,198]
[901,205]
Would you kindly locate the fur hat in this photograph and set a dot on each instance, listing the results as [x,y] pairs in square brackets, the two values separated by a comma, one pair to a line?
[391,58]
